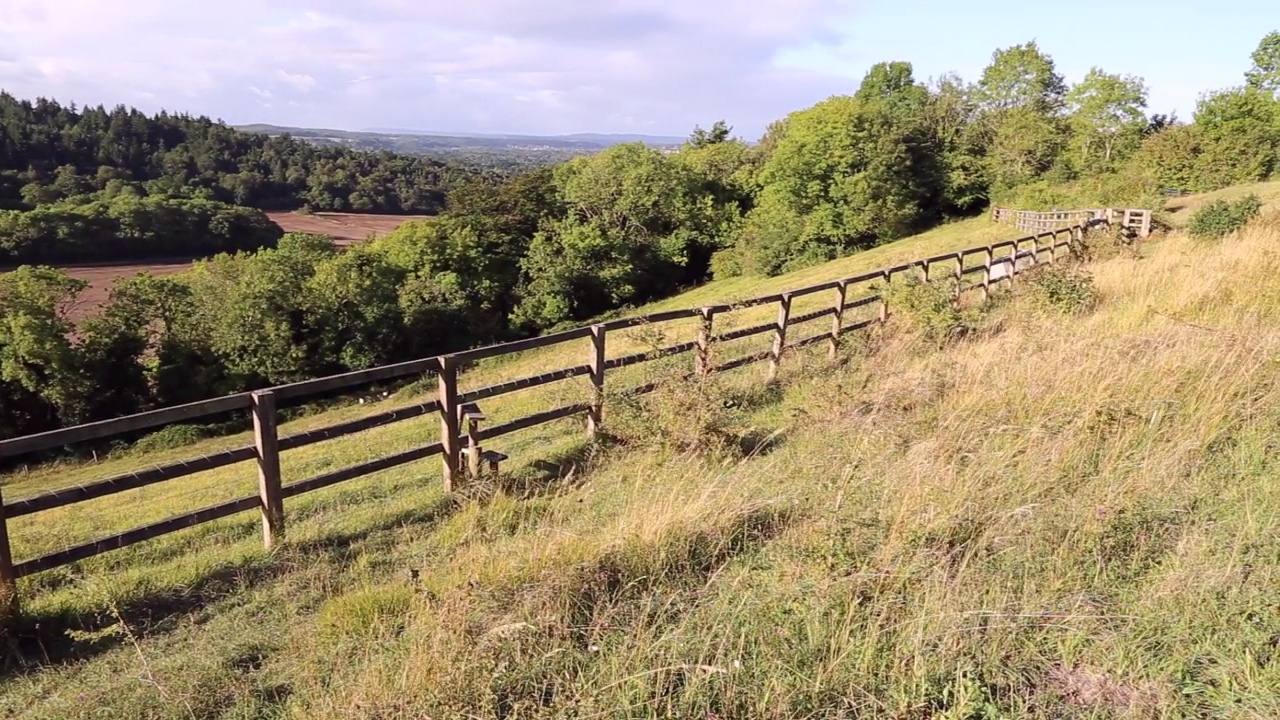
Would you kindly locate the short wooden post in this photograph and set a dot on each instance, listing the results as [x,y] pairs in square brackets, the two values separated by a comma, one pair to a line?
[473,446]
[9,605]
[1035,250]
[779,336]
[702,363]
[1013,260]
[837,320]
[267,444]
[450,455]
[1145,229]
[596,360]
[959,277]
[989,255]
[1053,248]
[927,277]
[884,298]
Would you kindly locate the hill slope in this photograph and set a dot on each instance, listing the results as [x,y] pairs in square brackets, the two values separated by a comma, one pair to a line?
[1057,517]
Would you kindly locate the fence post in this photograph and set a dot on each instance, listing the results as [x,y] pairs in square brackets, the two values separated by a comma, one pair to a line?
[779,335]
[702,363]
[9,606]
[927,276]
[596,415]
[1053,248]
[448,399]
[837,320]
[989,256]
[267,443]
[884,298]
[959,277]
[1035,250]
[1013,260]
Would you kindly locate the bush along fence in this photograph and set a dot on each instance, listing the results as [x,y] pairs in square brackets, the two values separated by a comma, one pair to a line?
[1134,220]
[976,270]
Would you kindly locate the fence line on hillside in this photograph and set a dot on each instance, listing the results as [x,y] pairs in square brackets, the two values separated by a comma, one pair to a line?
[456,408]
[1135,219]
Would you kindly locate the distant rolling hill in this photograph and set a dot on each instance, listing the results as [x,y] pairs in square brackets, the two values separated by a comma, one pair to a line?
[506,150]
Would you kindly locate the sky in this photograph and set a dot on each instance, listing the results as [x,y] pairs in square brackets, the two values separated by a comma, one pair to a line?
[564,66]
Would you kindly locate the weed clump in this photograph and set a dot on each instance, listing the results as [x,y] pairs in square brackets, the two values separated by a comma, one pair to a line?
[366,613]
[171,438]
[692,415]
[930,309]
[1063,289]
[1220,218]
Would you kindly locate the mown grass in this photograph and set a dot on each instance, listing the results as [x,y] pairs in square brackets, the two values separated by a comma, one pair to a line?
[1055,516]
[1181,209]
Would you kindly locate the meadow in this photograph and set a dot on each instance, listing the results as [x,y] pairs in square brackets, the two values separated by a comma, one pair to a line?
[1056,515]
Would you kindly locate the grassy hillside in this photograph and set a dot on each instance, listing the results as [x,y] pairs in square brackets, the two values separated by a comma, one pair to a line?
[1181,209]
[1056,517]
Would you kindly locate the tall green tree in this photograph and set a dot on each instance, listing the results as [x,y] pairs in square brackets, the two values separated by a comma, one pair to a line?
[36,351]
[1107,118]
[636,227]
[718,133]
[1265,73]
[1240,136]
[1021,77]
[951,116]
[847,174]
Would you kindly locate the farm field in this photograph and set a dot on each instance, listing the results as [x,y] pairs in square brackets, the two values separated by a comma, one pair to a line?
[346,229]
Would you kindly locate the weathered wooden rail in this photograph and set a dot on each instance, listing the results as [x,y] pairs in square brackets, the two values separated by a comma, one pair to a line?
[998,262]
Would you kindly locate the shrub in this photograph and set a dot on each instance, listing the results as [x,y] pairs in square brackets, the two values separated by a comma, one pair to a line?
[930,309]
[1221,218]
[1063,289]
[174,436]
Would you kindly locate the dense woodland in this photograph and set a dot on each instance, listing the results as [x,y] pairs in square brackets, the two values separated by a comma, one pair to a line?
[561,245]
[92,184]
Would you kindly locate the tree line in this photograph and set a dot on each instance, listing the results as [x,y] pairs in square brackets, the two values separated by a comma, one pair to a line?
[76,184]
[631,224]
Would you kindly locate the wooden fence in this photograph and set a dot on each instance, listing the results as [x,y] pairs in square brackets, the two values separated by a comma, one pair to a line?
[1136,220]
[998,262]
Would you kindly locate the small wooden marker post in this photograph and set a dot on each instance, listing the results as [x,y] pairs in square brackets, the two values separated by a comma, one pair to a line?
[9,606]
[1013,260]
[596,362]
[448,398]
[702,362]
[986,276]
[959,278]
[884,298]
[267,444]
[837,320]
[779,336]
[472,414]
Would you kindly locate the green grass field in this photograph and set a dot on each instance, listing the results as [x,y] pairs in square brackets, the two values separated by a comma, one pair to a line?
[1057,517]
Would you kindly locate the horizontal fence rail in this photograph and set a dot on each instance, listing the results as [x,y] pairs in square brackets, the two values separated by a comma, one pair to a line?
[460,417]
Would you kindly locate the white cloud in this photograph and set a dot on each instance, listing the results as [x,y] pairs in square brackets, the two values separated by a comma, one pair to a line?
[484,65]
[300,81]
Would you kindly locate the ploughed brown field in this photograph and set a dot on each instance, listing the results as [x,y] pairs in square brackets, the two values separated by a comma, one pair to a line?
[344,228]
